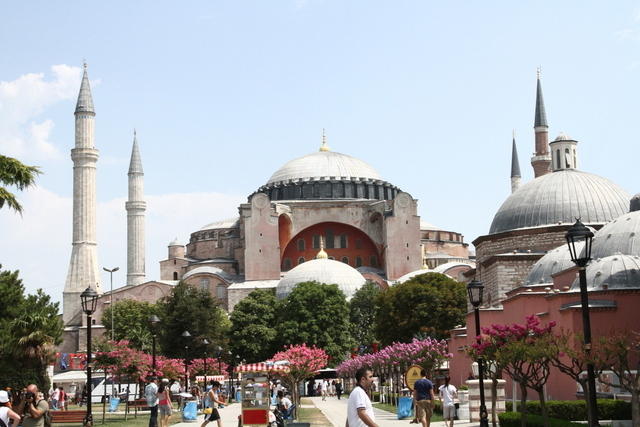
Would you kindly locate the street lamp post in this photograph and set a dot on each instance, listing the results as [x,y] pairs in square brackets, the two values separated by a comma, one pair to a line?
[113,270]
[579,239]
[89,300]
[475,290]
[153,320]
[205,342]
[186,335]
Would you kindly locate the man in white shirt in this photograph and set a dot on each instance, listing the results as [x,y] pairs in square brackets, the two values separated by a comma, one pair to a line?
[448,393]
[151,395]
[359,408]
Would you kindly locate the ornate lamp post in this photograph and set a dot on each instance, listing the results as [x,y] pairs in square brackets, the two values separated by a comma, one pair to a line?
[113,270]
[153,321]
[577,236]
[186,335]
[89,300]
[205,342]
[475,289]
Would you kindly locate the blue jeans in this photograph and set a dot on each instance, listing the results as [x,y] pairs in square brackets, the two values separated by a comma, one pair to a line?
[153,419]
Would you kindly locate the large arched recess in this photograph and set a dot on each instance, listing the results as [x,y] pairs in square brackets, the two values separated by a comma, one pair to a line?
[358,251]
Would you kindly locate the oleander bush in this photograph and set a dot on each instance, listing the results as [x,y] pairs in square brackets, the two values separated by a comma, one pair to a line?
[512,419]
[576,410]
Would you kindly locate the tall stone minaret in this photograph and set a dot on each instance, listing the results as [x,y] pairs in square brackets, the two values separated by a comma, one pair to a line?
[515,166]
[83,267]
[541,160]
[136,207]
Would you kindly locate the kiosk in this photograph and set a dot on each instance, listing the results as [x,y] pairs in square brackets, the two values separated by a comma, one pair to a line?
[256,391]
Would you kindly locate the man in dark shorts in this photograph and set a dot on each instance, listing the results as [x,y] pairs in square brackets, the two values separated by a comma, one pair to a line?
[424,398]
[213,399]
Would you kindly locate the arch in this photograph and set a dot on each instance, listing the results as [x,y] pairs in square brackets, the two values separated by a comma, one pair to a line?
[175,275]
[300,260]
[284,231]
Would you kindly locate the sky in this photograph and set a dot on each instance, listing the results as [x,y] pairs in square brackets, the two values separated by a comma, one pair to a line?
[223,93]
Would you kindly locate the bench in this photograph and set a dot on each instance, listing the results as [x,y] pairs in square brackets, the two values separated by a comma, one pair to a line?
[59,417]
[139,404]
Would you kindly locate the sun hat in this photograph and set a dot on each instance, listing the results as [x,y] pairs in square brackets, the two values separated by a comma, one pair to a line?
[4,396]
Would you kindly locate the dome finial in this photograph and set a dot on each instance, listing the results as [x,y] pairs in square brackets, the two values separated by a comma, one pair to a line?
[324,146]
[322,254]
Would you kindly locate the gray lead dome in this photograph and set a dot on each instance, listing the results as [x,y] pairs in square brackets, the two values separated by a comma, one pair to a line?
[559,198]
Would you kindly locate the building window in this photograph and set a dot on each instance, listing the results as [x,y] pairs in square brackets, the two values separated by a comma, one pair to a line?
[286,265]
[300,260]
[343,241]
[358,262]
[175,275]
[345,260]
[301,245]
[374,261]
[332,258]
[330,243]
[221,291]
[316,241]
[204,285]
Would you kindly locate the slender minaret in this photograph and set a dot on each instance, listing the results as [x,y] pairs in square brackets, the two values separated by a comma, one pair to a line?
[83,267]
[136,207]
[541,160]
[515,165]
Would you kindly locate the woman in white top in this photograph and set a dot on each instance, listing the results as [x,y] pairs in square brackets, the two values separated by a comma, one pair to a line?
[6,413]
[448,394]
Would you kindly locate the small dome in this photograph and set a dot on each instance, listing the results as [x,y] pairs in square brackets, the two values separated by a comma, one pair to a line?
[559,198]
[225,223]
[205,270]
[622,235]
[326,271]
[175,242]
[612,272]
[427,226]
[563,137]
[554,261]
[324,164]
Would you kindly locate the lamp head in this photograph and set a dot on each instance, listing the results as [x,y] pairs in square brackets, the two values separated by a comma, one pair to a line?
[154,320]
[576,235]
[89,300]
[186,334]
[475,289]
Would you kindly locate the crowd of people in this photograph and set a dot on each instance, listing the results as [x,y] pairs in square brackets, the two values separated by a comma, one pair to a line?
[27,408]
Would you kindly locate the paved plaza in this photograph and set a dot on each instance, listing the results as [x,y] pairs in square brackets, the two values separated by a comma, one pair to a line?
[335,410]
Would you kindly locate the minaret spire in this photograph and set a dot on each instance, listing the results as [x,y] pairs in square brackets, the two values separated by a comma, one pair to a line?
[136,207]
[515,165]
[83,266]
[541,160]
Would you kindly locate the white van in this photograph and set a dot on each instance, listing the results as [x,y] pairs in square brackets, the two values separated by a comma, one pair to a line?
[107,387]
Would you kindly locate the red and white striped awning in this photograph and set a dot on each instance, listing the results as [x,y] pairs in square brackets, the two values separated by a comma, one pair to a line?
[262,367]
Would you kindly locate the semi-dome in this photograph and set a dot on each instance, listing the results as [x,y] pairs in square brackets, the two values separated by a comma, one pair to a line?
[412,274]
[554,261]
[324,165]
[622,235]
[559,198]
[612,272]
[327,271]
[225,223]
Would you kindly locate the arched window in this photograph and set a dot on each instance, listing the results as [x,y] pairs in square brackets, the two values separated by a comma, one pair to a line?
[301,245]
[358,262]
[221,291]
[316,241]
[557,159]
[204,285]
[329,243]
[343,241]
[175,275]
[300,260]
[286,265]
[332,258]
[345,260]
[374,261]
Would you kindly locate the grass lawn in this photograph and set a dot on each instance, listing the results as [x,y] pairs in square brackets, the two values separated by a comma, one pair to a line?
[391,408]
[117,420]
[312,415]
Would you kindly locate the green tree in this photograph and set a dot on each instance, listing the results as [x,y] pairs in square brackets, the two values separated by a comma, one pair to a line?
[426,305]
[253,332]
[131,322]
[193,310]
[362,313]
[14,173]
[316,314]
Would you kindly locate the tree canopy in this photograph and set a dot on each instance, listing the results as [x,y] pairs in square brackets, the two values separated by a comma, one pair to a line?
[362,314]
[14,173]
[426,305]
[253,326]
[131,323]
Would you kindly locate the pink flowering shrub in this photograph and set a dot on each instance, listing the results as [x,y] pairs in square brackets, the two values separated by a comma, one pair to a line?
[304,362]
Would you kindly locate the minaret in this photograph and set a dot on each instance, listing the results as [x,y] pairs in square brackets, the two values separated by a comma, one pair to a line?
[136,207]
[541,160]
[83,267]
[515,165]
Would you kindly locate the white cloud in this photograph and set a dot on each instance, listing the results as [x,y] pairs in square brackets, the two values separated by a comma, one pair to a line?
[39,242]
[23,133]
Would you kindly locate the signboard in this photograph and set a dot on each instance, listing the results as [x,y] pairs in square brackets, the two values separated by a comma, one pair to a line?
[412,375]
[219,378]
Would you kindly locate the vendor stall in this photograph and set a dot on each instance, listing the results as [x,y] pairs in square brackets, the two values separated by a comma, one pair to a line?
[255,391]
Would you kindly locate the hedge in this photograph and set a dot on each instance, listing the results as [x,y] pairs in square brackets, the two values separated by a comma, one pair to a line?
[576,410]
[512,419]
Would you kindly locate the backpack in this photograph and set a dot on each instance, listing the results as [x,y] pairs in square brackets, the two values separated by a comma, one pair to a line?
[46,416]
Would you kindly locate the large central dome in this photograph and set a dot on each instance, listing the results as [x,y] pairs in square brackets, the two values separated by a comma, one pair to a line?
[324,165]
[559,198]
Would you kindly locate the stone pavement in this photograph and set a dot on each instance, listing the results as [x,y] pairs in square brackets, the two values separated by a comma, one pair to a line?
[228,414]
[336,412]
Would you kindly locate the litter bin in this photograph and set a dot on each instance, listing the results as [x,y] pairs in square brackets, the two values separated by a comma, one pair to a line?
[405,407]
[113,404]
[190,411]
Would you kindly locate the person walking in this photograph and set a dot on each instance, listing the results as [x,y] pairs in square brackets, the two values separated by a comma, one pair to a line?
[424,397]
[359,408]
[339,388]
[164,403]
[448,394]
[324,389]
[6,413]
[62,399]
[151,395]
[55,397]
[212,397]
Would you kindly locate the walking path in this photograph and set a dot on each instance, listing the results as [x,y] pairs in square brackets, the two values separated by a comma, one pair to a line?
[228,414]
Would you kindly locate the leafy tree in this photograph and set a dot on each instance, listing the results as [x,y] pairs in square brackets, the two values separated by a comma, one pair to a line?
[253,326]
[131,323]
[14,173]
[190,309]
[316,314]
[429,304]
[362,313]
